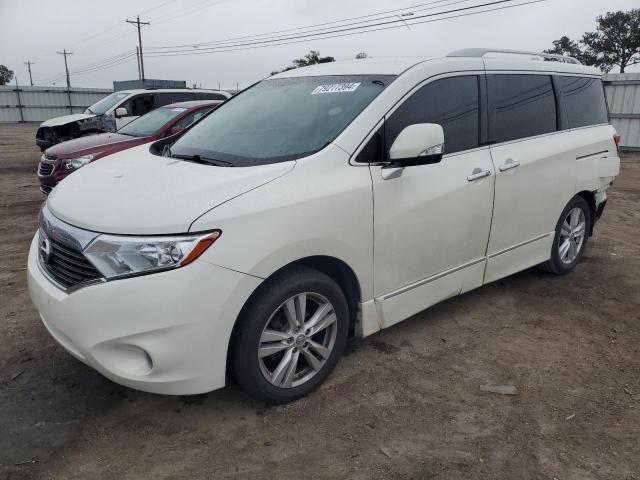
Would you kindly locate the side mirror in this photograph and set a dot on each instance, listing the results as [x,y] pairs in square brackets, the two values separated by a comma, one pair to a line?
[175,129]
[418,144]
[121,112]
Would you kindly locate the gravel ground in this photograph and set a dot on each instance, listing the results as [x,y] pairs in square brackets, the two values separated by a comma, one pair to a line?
[404,403]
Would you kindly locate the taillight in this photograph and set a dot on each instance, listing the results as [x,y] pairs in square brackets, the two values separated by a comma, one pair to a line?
[617,138]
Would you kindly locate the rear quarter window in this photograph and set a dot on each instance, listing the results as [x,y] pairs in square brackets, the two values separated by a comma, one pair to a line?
[583,101]
[210,96]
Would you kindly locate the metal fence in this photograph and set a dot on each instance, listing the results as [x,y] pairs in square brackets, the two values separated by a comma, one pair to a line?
[36,104]
[623,96]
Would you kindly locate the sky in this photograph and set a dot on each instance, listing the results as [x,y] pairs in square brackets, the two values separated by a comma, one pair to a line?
[97,32]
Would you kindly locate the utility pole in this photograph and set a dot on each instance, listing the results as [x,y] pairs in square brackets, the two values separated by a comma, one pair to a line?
[28,63]
[138,58]
[66,68]
[139,24]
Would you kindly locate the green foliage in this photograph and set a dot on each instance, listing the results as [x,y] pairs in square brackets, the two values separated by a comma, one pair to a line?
[311,58]
[616,41]
[5,75]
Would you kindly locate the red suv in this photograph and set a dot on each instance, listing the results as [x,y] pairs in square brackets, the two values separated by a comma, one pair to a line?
[64,158]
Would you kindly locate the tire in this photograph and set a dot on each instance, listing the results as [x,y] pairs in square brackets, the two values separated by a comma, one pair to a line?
[564,258]
[313,351]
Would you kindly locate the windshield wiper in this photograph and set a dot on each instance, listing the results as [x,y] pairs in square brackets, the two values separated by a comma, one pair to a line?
[205,160]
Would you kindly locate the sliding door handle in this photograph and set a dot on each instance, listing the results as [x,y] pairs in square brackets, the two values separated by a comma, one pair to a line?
[478,174]
[508,165]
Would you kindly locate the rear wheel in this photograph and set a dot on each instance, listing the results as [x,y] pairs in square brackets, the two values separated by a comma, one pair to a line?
[570,241]
[290,336]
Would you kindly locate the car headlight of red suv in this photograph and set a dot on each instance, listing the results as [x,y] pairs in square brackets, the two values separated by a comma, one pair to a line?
[75,163]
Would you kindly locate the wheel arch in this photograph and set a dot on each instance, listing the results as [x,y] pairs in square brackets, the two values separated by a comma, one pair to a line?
[335,268]
[590,198]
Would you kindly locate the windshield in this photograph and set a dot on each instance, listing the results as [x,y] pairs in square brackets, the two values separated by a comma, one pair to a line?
[101,106]
[151,122]
[280,119]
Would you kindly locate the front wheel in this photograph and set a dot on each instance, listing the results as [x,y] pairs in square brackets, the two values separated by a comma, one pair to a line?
[290,336]
[570,241]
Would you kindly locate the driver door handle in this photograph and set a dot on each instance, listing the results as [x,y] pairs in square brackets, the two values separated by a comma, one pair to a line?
[478,174]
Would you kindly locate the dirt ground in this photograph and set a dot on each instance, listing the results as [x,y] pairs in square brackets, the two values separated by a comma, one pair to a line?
[404,403]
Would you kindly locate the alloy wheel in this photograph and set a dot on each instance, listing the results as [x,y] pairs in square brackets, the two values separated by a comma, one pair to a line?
[297,340]
[572,235]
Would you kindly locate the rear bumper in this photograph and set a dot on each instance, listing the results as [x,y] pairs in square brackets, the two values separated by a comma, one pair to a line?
[164,333]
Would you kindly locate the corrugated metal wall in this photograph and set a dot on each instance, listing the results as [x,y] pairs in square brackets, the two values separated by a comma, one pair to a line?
[623,96]
[36,104]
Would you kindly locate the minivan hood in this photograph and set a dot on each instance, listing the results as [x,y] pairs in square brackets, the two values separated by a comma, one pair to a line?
[135,192]
[55,122]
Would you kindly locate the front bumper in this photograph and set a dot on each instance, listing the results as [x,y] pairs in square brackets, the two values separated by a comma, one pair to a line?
[164,333]
[47,183]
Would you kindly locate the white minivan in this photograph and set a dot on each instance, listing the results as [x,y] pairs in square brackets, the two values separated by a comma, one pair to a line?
[323,202]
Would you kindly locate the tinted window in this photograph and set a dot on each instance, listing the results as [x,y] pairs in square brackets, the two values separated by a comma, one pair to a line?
[210,96]
[524,106]
[583,100]
[372,152]
[165,98]
[450,102]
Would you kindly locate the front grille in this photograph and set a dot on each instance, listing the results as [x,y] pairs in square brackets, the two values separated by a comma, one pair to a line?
[50,156]
[68,266]
[45,169]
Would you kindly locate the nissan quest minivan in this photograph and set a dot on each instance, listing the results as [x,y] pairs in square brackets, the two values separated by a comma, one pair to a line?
[323,202]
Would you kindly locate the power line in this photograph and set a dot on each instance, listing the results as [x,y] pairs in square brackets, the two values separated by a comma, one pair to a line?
[187,11]
[306,27]
[345,34]
[107,62]
[156,7]
[337,32]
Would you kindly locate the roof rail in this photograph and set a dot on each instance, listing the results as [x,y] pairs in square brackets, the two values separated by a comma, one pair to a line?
[481,52]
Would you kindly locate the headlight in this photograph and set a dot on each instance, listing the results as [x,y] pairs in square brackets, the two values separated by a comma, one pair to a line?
[75,163]
[118,256]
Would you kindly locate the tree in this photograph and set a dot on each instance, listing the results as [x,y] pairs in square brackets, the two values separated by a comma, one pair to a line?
[311,58]
[361,55]
[5,75]
[616,41]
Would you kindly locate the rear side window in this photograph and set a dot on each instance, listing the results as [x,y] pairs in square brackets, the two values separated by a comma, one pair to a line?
[167,98]
[210,96]
[583,100]
[451,102]
[521,106]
